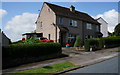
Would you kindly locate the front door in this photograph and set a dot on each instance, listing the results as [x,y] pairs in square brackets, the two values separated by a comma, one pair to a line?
[62,39]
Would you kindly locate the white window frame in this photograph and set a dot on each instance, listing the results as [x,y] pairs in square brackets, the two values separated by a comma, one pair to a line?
[73,23]
[70,37]
[89,26]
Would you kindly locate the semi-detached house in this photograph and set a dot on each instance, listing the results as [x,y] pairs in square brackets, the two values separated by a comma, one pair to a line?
[63,24]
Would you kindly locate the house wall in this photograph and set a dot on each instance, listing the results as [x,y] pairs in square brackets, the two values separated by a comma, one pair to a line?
[91,32]
[72,30]
[80,29]
[104,27]
[47,17]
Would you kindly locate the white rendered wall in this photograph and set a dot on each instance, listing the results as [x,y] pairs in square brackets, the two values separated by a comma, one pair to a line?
[104,27]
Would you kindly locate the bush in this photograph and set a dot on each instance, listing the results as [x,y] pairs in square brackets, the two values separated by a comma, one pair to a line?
[32,40]
[16,53]
[77,42]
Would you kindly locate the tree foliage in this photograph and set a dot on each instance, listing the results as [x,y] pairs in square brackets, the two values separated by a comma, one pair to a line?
[117,30]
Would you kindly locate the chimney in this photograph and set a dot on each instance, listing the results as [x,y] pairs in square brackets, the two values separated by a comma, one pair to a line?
[72,8]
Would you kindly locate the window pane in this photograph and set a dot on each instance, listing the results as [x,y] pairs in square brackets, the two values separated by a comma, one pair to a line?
[97,28]
[70,22]
[75,23]
[60,20]
[89,26]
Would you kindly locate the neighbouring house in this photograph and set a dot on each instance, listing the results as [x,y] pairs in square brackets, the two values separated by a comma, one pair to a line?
[63,24]
[104,26]
[0,37]
[5,40]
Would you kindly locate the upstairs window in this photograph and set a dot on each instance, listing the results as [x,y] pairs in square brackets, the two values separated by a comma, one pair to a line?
[60,20]
[73,23]
[89,26]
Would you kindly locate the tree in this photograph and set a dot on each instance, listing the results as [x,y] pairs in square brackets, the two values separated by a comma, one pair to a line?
[77,42]
[117,30]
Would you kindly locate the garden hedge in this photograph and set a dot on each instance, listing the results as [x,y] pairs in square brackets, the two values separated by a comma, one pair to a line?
[94,43]
[26,51]
[104,42]
[110,42]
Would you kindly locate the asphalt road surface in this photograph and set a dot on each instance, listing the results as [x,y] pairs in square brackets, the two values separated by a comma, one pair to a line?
[108,66]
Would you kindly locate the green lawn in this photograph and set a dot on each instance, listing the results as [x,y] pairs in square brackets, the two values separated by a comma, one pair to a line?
[116,51]
[47,69]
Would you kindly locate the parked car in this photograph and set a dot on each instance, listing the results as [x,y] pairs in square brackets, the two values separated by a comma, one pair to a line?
[43,39]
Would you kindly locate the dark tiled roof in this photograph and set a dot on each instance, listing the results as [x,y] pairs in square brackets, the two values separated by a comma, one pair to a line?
[63,11]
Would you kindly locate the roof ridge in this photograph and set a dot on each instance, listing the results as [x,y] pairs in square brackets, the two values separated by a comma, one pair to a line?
[64,7]
[56,5]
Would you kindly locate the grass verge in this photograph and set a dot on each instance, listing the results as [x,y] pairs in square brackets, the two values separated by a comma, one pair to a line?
[47,69]
[116,51]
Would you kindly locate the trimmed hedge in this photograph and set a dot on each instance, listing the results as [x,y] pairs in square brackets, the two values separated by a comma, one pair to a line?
[110,42]
[17,54]
[99,43]
[30,49]
[94,43]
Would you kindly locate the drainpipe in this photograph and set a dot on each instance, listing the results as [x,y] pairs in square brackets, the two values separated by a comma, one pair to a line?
[83,36]
[55,32]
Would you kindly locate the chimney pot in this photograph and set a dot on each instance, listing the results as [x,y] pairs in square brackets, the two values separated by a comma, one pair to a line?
[72,8]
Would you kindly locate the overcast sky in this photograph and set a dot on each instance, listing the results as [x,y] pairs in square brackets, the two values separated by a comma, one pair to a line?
[19,17]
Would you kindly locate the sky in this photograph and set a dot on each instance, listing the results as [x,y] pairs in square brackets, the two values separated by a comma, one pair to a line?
[19,17]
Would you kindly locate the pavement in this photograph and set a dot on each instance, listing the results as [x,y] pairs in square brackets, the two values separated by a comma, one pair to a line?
[78,57]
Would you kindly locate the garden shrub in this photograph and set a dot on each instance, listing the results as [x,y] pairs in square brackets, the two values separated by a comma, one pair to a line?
[94,43]
[77,42]
[87,45]
[33,40]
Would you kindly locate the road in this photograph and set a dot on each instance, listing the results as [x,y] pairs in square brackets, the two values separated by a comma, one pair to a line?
[108,66]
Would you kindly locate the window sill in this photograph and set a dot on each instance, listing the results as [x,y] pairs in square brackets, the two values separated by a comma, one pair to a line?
[74,26]
[89,29]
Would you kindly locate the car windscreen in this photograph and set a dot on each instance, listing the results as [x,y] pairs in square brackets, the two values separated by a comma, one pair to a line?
[42,38]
